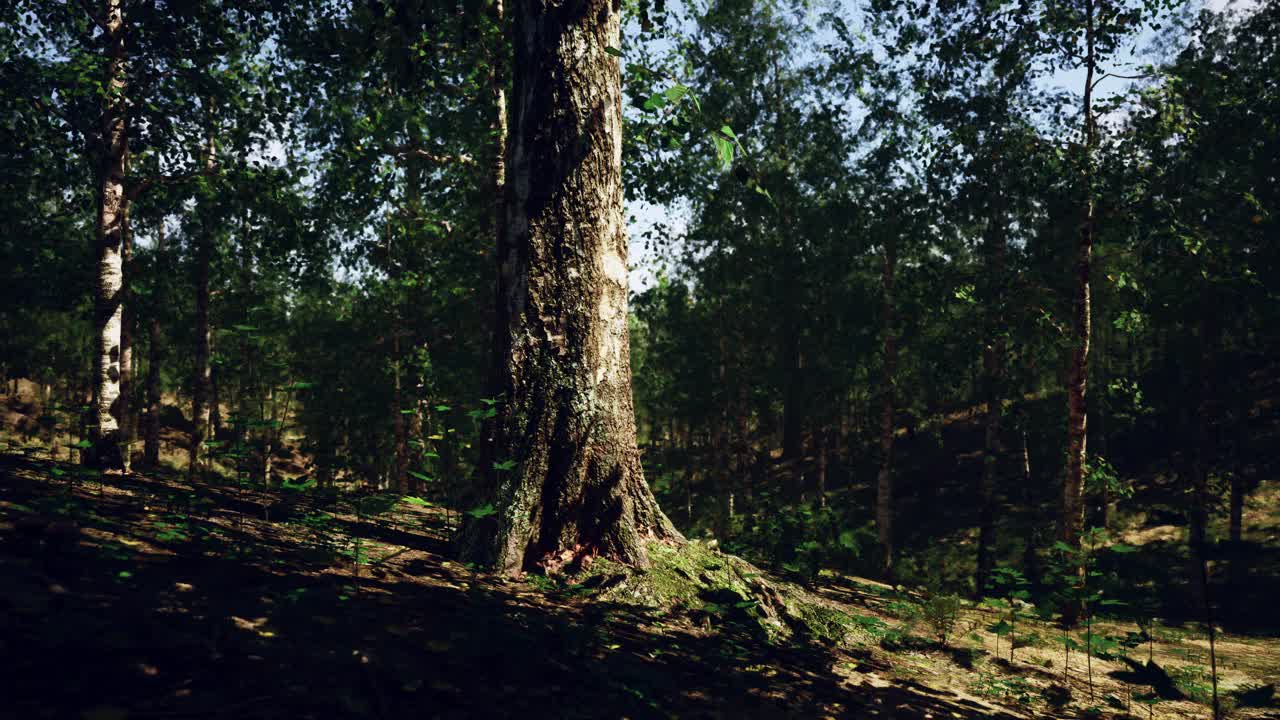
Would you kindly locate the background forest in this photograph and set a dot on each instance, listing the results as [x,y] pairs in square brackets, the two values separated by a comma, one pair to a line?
[969,308]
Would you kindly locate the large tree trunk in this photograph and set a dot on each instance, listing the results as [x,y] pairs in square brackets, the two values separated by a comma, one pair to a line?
[201,381]
[884,480]
[109,278]
[993,357]
[566,422]
[1071,520]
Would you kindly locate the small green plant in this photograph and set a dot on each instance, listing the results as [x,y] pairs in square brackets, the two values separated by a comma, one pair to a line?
[1082,590]
[1012,601]
[1016,689]
[940,612]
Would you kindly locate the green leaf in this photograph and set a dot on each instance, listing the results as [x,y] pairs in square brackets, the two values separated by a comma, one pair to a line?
[656,101]
[724,151]
[505,465]
[1123,548]
[728,132]
[420,476]
[676,92]
[613,51]
[482,511]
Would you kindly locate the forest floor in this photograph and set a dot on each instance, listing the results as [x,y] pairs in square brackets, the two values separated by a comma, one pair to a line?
[140,596]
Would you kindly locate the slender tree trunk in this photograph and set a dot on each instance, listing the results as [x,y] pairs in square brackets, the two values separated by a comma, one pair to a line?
[1235,504]
[215,394]
[499,59]
[1030,560]
[822,450]
[109,278]
[415,448]
[993,358]
[1238,566]
[1197,512]
[1071,521]
[792,407]
[566,421]
[884,480]
[268,449]
[720,442]
[201,381]
[400,473]
[126,346]
[151,441]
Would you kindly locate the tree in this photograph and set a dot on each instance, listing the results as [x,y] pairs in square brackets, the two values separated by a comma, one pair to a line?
[569,482]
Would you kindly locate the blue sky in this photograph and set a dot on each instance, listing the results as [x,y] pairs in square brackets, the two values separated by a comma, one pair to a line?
[643,216]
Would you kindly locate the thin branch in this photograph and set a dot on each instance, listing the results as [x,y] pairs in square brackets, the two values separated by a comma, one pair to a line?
[84,5]
[417,152]
[144,184]
[55,112]
[1106,75]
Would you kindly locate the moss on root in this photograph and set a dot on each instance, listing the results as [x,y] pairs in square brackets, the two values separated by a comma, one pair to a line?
[696,578]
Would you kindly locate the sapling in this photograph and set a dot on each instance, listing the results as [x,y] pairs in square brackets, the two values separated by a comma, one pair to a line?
[1013,586]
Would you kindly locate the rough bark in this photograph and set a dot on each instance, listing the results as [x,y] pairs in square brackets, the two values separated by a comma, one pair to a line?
[109,279]
[884,479]
[1071,519]
[566,420]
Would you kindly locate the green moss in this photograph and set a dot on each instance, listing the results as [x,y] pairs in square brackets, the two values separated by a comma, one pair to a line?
[823,621]
[698,579]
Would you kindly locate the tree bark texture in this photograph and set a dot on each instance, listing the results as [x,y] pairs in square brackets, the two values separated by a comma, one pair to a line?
[1071,520]
[109,278]
[566,423]
[126,403]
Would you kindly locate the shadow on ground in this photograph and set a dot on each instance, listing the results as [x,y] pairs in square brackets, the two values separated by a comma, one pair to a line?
[124,614]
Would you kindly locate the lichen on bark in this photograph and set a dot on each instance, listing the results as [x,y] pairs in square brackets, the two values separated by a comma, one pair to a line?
[565,479]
